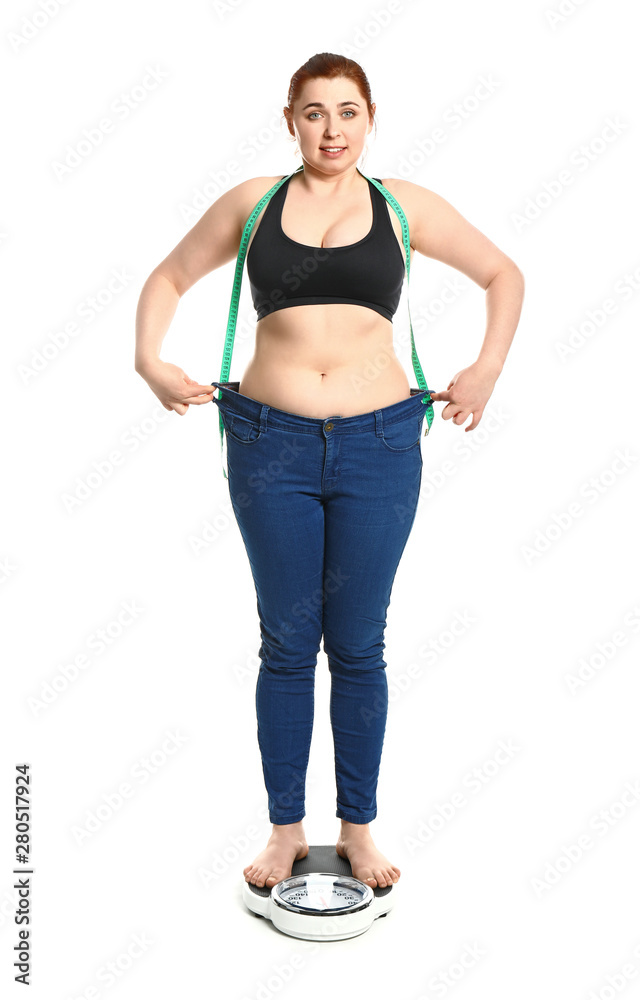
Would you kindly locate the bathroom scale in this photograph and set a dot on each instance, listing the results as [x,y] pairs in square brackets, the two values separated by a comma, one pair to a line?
[320,900]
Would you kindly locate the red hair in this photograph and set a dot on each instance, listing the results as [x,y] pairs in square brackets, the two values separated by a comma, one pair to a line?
[329,65]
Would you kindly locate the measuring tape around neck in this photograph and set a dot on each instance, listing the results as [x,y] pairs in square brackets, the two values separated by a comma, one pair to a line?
[237,282]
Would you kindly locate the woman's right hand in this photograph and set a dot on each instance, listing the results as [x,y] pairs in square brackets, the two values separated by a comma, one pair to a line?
[173,387]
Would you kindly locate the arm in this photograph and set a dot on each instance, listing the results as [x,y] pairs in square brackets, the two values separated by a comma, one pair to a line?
[212,242]
[439,231]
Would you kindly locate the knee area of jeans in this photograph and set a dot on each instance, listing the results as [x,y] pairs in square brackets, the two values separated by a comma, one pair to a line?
[365,649]
[351,665]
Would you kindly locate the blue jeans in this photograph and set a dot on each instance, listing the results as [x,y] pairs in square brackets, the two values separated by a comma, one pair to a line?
[325,508]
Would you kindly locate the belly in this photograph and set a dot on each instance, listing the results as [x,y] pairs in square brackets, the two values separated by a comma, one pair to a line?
[324,361]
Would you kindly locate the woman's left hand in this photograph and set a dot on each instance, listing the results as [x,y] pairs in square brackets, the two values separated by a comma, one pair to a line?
[468,392]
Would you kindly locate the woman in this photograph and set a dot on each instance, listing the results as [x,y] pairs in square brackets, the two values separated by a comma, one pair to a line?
[323,433]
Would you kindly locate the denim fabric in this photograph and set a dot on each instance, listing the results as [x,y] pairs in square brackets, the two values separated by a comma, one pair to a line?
[325,508]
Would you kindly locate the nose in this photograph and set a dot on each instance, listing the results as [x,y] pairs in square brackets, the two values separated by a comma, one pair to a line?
[330,129]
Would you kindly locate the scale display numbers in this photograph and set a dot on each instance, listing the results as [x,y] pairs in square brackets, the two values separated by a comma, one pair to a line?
[322,893]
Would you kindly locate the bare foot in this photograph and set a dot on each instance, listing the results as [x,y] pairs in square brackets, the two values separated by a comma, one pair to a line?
[367,863]
[286,844]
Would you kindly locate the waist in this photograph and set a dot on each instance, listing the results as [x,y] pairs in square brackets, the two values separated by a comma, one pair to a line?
[325,361]
[266,415]
[348,391]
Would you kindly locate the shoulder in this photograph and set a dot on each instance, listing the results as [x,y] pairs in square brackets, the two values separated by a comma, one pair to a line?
[440,231]
[427,212]
[238,202]
[424,209]
[248,193]
[409,193]
[255,185]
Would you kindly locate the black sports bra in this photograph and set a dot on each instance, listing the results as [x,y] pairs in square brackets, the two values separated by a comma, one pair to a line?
[285,273]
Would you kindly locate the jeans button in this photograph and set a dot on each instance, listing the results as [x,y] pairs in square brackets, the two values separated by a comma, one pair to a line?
[328,427]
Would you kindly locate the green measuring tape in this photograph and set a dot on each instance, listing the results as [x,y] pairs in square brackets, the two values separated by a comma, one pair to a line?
[237,282]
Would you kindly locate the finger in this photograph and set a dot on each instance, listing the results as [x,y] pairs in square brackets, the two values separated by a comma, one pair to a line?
[477,417]
[451,410]
[198,399]
[179,408]
[196,387]
[461,416]
[456,413]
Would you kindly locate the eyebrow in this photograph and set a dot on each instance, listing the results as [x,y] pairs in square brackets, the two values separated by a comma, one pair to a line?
[317,104]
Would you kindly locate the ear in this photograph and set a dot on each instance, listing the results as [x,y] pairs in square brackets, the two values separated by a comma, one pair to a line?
[289,119]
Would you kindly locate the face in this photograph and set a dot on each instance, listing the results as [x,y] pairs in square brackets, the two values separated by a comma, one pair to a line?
[337,117]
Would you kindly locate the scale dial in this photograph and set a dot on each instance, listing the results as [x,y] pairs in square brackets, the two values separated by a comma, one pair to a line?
[322,894]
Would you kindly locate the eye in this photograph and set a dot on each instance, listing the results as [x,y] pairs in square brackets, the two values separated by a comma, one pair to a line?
[348,111]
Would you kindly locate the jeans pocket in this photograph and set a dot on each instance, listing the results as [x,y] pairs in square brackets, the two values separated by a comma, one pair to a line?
[241,429]
[402,435]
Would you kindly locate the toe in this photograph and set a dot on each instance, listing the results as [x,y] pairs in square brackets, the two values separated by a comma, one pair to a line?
[380,877]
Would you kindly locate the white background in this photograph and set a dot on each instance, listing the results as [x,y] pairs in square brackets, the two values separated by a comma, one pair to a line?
[525,526]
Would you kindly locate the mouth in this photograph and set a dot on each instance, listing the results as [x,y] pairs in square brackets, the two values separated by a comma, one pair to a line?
[332,150]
